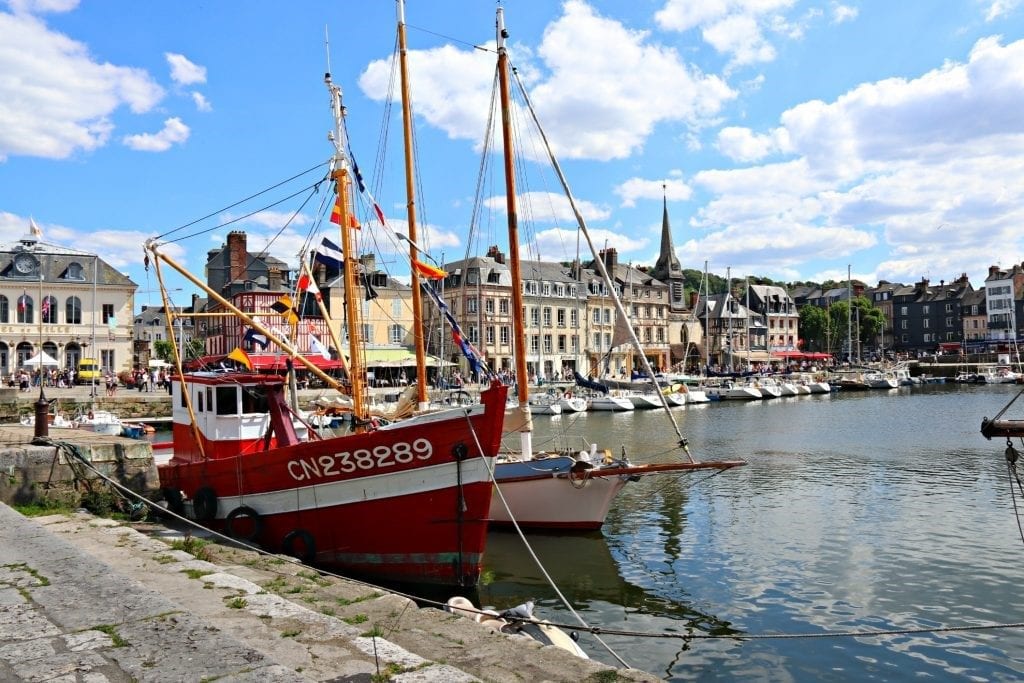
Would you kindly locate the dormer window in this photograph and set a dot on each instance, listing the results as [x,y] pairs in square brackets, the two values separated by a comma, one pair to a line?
[74,271]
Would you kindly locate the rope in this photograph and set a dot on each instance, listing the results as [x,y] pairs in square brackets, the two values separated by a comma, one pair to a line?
[593,630]
[536,560]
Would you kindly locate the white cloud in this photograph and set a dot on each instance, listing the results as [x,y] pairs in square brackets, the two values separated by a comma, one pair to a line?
[733,27]
[549,206]
[1000,8]
[885,163]
[119,248]
[184,72]
[202,104]
[42,6]
[594,102]
[640,188]
[173,132]
[55,99]
[268,219]
[559,244]
[742,144]
[843,13]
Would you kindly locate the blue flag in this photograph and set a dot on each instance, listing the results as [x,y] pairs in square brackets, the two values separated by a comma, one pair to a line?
[251,335]
[329,254]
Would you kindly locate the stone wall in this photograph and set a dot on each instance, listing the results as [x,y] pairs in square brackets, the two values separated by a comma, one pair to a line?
[127,406]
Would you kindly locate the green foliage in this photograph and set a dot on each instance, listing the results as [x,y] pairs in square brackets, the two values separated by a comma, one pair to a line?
[193,546]
[237,603]
[45,506]
[110,631]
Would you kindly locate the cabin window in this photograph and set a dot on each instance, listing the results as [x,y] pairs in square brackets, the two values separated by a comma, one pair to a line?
[254,401]
[227,401]
[181,394]
[209,399]
[199,402]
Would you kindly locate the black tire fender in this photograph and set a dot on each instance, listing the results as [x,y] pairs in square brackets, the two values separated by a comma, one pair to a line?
[175,503]
[204,504]
[306,550]
[243,512]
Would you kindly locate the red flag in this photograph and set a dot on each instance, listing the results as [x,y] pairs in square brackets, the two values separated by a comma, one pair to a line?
[353,222]
[380,214]
[306,284]
[429,271]
[23,302]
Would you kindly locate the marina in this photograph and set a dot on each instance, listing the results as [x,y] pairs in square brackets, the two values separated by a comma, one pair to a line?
[857,512]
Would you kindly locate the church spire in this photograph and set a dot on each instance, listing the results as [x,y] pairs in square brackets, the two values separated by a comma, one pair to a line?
[667,265]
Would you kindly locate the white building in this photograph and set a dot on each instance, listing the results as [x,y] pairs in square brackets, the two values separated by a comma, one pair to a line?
[1002,289]
[68,302]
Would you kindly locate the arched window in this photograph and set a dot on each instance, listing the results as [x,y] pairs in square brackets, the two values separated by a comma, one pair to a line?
[25,309]
[5,311]
[74,271]
[49,310]
[73,311]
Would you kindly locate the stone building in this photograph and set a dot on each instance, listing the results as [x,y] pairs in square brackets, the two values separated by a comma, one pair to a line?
[69,303]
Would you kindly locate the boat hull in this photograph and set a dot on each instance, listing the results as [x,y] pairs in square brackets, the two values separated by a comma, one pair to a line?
[407,502]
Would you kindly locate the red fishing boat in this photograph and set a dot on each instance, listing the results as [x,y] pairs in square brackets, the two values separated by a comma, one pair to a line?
[404,502]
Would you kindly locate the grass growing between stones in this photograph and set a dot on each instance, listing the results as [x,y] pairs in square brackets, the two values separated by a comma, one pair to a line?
[111,631]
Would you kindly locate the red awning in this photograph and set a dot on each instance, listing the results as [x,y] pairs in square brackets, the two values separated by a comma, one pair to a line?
[817,356]
[788,354]
[268,362]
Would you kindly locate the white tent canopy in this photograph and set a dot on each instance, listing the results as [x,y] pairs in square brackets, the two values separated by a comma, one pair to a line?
[41,358]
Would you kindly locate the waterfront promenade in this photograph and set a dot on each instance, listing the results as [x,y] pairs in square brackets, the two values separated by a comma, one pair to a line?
[91,599]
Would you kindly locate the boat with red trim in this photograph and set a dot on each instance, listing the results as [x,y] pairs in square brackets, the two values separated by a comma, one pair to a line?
[404,502]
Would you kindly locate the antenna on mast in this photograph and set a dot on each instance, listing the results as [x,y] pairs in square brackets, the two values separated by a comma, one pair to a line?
[327,47]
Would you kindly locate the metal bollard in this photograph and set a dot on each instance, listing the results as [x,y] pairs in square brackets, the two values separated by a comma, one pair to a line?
[42,415]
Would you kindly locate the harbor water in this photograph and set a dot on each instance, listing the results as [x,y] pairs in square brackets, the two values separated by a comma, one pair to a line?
[857,512]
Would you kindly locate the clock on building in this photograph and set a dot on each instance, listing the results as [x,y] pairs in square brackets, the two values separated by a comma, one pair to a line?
[25,263]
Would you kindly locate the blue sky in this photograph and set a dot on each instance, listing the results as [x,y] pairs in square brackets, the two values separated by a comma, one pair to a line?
[793,137]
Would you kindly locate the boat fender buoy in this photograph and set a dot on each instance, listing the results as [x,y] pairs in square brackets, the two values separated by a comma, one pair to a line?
[174,500]
[204,504]
[300,544]
[238,530]
[90,415]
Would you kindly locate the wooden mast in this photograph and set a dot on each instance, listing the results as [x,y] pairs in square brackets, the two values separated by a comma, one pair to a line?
[410,193]
[523,424]
[342,181]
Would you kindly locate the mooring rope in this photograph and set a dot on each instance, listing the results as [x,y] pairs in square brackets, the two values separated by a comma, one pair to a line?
[596,631]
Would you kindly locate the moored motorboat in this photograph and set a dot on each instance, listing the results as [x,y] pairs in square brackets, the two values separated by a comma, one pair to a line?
[101,422]
[610,402]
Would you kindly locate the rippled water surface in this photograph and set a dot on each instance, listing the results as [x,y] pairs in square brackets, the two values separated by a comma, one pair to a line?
[858,511]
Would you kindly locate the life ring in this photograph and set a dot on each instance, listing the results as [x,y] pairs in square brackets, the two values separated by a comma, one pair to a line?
[235,530]
[204,504]
[306,551]
[174,500]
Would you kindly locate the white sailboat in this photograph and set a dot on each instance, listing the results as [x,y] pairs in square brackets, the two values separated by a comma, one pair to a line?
[566,490]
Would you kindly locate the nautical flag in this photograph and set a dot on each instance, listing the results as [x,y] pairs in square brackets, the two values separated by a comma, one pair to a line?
[317,346]
[428,271]
[353,222]
[23,302]
[240,356]
[46,308]
[306,284]
[34,229]
[380,214]
[371,293]
[287,310]
[476,363]
[329,254]
[251,335]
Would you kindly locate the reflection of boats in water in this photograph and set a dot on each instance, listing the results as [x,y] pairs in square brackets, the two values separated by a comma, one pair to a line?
[585,571]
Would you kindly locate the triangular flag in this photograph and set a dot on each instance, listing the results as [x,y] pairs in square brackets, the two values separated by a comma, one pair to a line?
[336,212]
[240,356]
[428,271]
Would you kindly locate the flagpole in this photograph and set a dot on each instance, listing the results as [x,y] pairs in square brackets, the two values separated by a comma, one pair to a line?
[42,427]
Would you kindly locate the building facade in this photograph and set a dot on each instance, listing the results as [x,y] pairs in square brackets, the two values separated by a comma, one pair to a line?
[68,303]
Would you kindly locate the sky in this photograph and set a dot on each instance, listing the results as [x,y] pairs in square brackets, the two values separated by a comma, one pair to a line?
[790,139]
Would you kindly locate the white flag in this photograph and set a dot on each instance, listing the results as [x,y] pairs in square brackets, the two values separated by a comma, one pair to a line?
[318,346]
[34,229]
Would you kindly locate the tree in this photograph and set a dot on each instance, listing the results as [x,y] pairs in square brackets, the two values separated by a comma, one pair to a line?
[815,329]
[163,350]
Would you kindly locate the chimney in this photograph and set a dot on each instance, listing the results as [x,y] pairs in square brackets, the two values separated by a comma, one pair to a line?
[495,253]
[993,271]
[610,258]
[694,298]
[195,303]
[237,254]
[369,263]
[274,279]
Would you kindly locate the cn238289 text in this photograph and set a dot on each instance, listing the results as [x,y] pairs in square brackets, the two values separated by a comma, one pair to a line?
[360,459]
